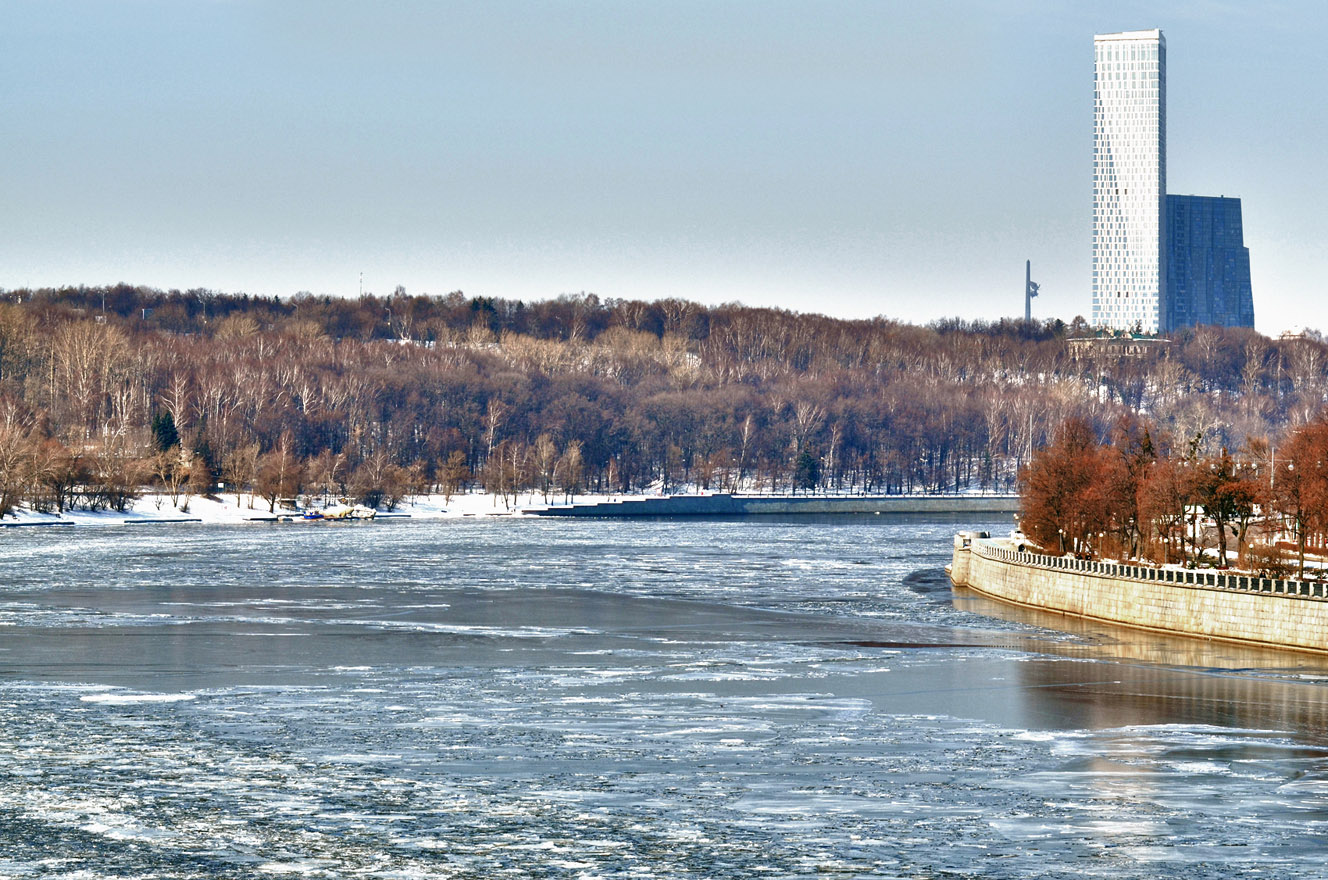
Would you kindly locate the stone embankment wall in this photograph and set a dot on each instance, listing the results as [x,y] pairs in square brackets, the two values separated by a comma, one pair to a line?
[782,505]
[1287,614]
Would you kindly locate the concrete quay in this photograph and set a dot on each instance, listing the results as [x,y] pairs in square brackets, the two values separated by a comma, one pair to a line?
[780,505]
[1204,604]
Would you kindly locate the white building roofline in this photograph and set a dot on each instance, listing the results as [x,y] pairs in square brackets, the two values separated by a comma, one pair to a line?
[1154,34]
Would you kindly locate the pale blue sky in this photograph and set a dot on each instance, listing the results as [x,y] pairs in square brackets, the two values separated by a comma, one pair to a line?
[852,158]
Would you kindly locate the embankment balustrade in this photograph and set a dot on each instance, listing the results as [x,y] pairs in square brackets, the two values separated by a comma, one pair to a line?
[1187,577]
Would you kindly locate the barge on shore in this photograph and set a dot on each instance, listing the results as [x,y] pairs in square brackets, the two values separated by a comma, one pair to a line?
[1204,604]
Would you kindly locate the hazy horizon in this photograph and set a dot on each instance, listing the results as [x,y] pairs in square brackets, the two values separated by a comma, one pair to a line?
[854,159]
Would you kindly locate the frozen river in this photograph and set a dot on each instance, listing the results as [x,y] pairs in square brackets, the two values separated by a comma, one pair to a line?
[535,698]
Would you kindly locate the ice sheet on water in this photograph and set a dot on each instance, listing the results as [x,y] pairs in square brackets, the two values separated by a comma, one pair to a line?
[700,737]
[127,699]
[124,829]
[301,866]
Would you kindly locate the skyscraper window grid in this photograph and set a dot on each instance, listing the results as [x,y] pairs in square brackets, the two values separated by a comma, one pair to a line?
[1129,180]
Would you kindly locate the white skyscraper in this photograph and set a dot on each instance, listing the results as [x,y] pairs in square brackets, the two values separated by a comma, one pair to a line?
[1130,180]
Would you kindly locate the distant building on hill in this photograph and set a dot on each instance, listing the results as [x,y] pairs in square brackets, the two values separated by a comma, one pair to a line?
[1208,265]
[1097,348]
[1129,180]
[1160,262]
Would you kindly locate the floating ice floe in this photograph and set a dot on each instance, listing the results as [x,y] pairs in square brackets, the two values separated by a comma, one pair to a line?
[123,699]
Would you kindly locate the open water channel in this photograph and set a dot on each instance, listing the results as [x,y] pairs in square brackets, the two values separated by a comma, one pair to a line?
[537,698]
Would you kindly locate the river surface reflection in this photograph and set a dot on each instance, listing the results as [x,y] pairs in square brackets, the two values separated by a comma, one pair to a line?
[619,699]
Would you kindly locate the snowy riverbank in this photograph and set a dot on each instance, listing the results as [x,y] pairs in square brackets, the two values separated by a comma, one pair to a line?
[223,509]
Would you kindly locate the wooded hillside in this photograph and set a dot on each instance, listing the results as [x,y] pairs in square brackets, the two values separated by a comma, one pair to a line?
[381,395]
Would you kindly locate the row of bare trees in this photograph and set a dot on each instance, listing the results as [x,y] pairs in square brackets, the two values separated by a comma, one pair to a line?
[379,396]
[50,476]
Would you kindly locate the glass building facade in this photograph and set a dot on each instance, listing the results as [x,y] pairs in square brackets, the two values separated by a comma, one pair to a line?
[1208,265]
[1129,181]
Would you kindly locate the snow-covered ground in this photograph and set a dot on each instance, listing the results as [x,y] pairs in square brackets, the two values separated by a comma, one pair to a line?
[224,509]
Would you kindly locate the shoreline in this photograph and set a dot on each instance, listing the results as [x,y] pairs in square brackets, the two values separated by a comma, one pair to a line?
[154,509]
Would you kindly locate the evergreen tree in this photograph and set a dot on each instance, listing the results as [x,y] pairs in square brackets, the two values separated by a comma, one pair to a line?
[164,434]
[807,471]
